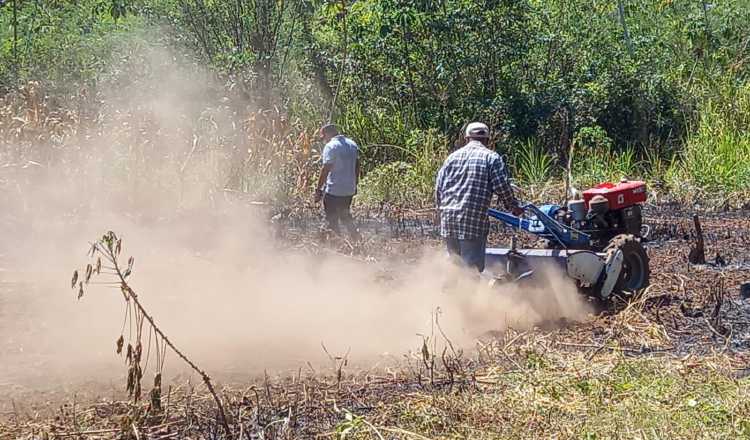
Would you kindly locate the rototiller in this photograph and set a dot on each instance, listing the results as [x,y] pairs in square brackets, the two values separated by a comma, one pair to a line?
[597,240]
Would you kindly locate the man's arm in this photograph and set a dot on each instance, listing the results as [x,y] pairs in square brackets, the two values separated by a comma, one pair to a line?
[501,186]
[322,181]
[324,175]
[438,186]
[327,157]
[356,173]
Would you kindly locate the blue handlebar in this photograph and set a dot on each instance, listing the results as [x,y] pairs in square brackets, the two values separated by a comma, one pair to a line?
[549,228]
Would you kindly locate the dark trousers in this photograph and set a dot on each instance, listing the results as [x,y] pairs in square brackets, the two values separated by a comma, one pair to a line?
[338,209]
[470,252]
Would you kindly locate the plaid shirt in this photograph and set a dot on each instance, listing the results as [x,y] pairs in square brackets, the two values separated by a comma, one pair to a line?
[464,188]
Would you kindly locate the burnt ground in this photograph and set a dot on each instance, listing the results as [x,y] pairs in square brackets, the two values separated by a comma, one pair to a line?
[700,305]
[697,308]
[690,309]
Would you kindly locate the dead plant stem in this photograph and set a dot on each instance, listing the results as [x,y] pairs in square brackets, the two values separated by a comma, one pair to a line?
[206,379]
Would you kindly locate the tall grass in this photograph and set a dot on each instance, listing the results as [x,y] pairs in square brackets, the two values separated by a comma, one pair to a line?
[715,163]
[533,165]
[592,166]
[409,182]
[378,130]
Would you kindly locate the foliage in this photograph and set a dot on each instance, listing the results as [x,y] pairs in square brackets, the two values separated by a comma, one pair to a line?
[403,183]
[63,43]
[392,184]
[715,158]
[641,87]
[595,160]
[533,165]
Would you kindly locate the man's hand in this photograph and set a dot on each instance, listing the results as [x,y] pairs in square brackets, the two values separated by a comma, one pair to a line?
[517,211]
[322,181]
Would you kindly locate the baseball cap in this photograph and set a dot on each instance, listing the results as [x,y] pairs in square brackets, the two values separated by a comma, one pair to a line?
[477,130]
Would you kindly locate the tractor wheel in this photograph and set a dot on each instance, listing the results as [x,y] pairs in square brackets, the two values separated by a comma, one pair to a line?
[635,268]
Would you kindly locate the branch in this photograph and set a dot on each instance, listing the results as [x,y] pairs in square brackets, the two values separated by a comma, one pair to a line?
[110,247]
[343,62]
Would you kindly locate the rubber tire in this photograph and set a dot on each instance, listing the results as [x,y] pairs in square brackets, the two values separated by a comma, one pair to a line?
[636,274]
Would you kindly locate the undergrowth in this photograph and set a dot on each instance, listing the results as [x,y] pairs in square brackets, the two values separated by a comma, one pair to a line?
[656,91]
[715,164]
[572,397]
[521,389]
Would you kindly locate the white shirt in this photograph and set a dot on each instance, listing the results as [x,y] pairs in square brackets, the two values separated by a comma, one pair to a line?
[341,153]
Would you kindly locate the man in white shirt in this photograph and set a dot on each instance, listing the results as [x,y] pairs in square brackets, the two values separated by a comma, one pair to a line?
[338,180]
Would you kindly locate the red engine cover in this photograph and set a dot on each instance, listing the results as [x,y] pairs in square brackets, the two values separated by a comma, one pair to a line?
[620,195]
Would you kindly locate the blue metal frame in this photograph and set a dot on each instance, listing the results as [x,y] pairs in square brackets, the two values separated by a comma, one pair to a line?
[526,260]
[543,225]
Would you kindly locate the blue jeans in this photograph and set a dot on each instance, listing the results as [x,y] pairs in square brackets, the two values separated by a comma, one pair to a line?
[471,252]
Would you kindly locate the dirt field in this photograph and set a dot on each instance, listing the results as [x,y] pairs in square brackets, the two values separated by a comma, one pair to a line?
[690,312]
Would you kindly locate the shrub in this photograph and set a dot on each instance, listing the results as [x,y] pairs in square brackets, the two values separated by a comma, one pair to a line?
[394,183]
[532,164]
[716,157]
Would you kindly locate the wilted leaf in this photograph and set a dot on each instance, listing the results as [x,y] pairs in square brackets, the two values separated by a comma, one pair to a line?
[89,272]
[425,351]
[80,290]
[108,240]
[119,247]
[131,260]
[156,393]
[130,385]
[138,377]
[75,279]
[305,143]
[98,265]
[120,342]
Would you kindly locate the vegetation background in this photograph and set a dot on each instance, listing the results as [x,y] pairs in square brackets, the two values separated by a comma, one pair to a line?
[629,88]
[179,102]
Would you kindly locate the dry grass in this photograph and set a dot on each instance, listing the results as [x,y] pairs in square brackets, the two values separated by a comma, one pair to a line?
[529,385]
[187,153]
[620,375]
[567,395]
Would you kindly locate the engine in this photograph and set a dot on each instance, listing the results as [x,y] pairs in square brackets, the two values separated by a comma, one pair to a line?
[607,210]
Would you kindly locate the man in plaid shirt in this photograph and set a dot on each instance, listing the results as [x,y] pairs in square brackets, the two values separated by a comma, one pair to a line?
[463,192]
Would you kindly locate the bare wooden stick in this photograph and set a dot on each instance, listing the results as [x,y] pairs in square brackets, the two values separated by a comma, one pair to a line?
[80,433]
[135,431]
[344,11]
[698,254]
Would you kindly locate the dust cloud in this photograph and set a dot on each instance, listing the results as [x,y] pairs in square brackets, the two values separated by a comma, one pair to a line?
[208,270]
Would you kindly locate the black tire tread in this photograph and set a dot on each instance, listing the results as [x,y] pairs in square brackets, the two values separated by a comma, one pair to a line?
[629,243]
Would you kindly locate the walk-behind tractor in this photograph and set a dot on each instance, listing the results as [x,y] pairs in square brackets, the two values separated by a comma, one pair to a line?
[596,240]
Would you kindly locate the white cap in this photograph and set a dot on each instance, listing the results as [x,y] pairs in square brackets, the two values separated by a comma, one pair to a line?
[477,130]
